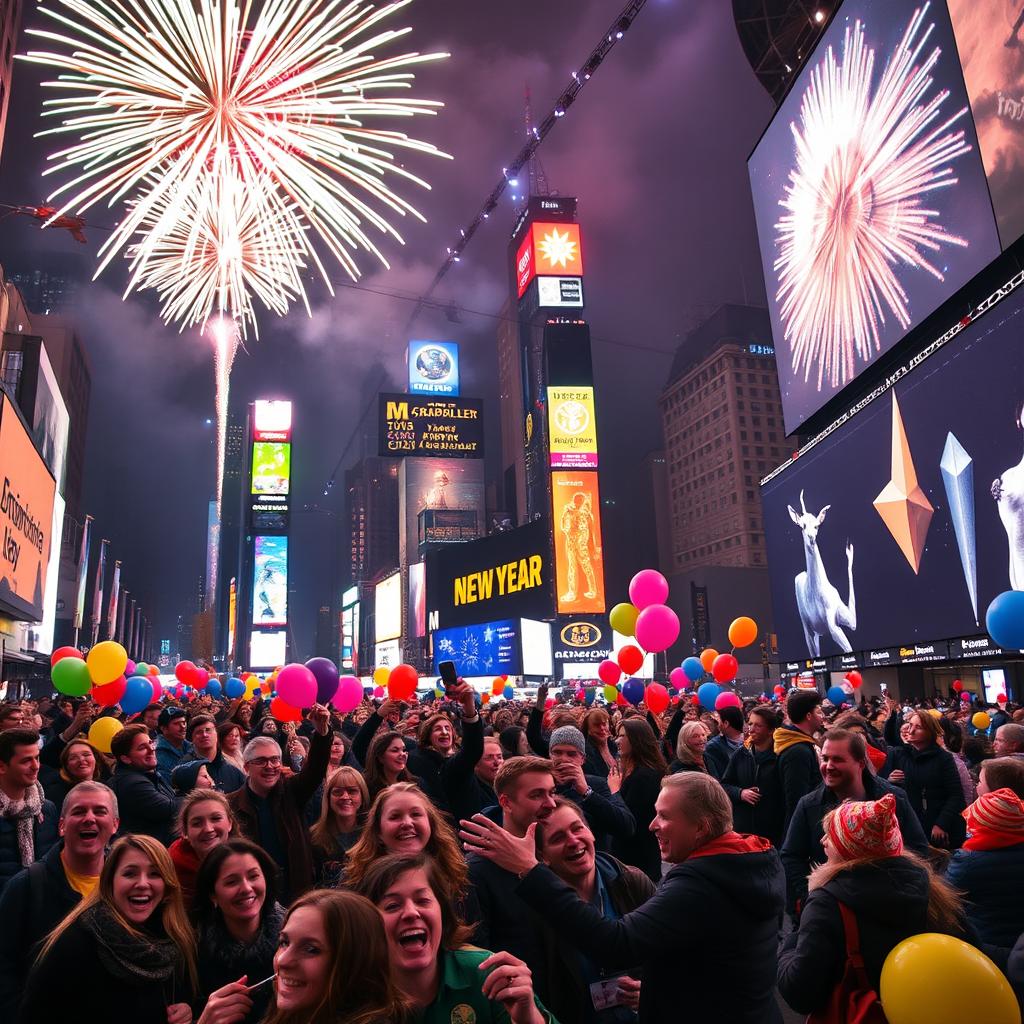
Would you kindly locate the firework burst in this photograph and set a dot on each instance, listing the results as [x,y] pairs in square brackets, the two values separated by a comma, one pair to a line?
[175,106]
[867,160]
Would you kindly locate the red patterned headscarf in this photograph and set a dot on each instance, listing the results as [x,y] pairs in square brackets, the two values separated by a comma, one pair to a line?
[865,828]
[995,821]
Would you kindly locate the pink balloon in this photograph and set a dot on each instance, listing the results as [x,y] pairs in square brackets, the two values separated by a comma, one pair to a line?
[609,673]
[296,685]
[349,694]
[378,691]
[648,587]
[727,700]
[679,679]
[657,628]
[158,687]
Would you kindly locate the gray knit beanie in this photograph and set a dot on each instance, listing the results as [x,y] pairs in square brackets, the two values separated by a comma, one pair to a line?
[568,735]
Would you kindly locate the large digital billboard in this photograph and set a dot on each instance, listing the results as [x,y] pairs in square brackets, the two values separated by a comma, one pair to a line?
[416,610]
[429,427]
[990,38]
[902,525]
[271,467]
[270,581]
[507,575]
[869,194]
[433,368]
[268,650]
[491,648]
[27,490]
[387,608]
[271,420]
[430,487]
[576,515]
[550,250]
[572,428]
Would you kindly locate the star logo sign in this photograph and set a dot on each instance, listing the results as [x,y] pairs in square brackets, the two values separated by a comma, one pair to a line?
[558,249]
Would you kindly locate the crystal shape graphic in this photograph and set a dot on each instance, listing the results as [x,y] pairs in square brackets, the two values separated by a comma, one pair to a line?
[903,506]
[957,468]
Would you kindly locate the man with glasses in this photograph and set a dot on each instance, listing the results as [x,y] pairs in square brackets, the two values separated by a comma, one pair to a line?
[269,808]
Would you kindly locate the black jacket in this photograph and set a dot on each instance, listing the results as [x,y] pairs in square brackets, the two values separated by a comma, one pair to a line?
[446,778]
[44,835]
[991,883]
[802,848]
[33,903]
[146,803]
[717,754]
[748,768]
[889,898]
[715,916]
[608,817]
[226,776]
[933,787]
[595,764]
[798,769]
[639,791]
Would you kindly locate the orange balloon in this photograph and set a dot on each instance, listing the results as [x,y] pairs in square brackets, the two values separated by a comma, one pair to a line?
[497,685]
[153,670]
[485,698]
[707,658]
[742,631]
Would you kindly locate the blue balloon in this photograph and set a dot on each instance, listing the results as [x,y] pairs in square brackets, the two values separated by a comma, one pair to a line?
[693,669]
[588,695]
[233,688]
[1004,620]
[509,692]
[707,694]
[137,694]
[213,688]
[633,691]
[838,696]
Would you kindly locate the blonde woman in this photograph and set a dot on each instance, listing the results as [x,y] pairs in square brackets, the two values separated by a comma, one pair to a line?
[693,738]
[343,810]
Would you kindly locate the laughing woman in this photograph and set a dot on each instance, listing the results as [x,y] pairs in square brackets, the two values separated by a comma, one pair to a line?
[128,946]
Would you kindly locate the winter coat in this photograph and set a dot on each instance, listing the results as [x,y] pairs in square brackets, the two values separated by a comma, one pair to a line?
[933,787]
[717,755]
[595,764]
[628,888]
[227,778]
[675,766]
[168,756]
[748,768]
[798,768]
[889,898]
[33,903]
[608,817]
[639,791]
[990,881]
[330,864]
[802,848]
[445,779]
[146,803]
[45,836]
[288,801]
[223,959]
[715,915]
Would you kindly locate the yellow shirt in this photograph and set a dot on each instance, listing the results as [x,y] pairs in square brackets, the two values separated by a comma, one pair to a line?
[84,884]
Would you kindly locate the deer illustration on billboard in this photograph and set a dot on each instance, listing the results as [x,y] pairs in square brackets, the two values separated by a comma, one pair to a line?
[821,609]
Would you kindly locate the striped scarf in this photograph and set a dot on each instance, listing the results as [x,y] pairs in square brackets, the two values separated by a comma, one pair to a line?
[995,821]
[23,812]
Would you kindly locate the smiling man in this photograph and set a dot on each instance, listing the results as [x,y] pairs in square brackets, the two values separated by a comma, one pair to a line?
[171,746]
[147,803]
[37,899]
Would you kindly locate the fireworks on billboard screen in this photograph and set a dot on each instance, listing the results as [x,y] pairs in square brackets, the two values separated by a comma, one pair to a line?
[488,649]
[271,467]
[579,568]
[270,582]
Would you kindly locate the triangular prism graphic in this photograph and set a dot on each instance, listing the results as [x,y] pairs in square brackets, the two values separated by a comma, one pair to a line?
[903,506]
[957,468]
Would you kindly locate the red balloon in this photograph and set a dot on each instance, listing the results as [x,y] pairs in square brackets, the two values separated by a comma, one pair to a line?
[656,698]
[965,696]
[158,687]
[402,682]
[109,694]
[630,659]
[724,668]
[619,699]
[580,694]
[1001,698]
[854,678]
[284,712]
[957,685]
[609,673]
[695,699]
[200,677]
[65,652]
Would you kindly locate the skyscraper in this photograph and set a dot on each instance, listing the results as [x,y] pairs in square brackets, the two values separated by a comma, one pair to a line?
[371,511]
[10,24]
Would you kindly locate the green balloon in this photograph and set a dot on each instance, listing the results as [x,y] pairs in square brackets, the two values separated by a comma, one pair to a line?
[71,677]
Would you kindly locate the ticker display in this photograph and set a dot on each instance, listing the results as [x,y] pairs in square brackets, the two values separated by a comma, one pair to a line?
[426,427]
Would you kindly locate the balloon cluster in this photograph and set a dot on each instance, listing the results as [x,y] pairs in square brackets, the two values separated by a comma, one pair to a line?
[107,675]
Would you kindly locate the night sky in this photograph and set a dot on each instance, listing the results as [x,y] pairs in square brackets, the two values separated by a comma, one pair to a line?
[655,149]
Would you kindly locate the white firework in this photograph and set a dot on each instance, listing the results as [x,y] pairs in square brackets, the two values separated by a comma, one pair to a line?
[867,159]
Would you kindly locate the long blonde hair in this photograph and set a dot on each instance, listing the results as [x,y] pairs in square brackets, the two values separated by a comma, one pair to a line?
[684,752]
[172,908]
[323,831]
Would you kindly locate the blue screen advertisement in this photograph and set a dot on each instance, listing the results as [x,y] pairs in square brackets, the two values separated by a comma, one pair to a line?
[485,650]
[270,582]
[433,368]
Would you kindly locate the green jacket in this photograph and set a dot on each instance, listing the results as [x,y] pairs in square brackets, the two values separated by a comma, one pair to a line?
[459,999]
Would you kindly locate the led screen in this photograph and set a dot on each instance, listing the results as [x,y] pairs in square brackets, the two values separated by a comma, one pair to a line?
[579,566]
[416,613]
[387,654]
[900,527]
[536,641]
[271,420]
[488,649]
[271,467]
[268,650]
[270,581]
[388,608]
[869,194]
[438,484]
[433,367]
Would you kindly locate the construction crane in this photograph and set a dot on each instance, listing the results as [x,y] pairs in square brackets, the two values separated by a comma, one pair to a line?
[47,214]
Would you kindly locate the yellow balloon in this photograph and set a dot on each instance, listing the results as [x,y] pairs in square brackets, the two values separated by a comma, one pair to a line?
[911,993]
[102,731]
[623,619]
[980,720]
[107,661]
[381,675]
[742,631]
[935,712]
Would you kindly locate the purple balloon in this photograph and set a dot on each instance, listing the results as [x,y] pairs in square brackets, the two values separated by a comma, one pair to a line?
[129,669]
[326,674]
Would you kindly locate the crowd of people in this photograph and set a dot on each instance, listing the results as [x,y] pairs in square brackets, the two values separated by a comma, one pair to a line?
[443,860]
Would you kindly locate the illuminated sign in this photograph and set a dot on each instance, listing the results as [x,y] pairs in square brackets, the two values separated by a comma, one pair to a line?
[560,292]
[580,635]
[760,350]
[416,614]
[433,367]
[572,428]
[387,654]
[26,510]
[579,570]
[232,619]
[448,525]
[491,648]
[349,597]
[387,622]
[271,467]
[535,638]
[271,421]
[268,650]
[270,581]
[451,427]
[550,250]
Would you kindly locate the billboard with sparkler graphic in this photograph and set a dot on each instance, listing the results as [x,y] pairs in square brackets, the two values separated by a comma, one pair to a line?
[870,196]
[491,648]
[902,525]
